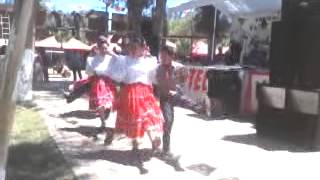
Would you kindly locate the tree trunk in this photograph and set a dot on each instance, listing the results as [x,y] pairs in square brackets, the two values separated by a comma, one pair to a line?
[25,74]
[135,8]
[9,71]
[158,28]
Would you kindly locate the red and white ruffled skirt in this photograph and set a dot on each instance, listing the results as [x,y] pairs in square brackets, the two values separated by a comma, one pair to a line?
[102,93]
[138,111]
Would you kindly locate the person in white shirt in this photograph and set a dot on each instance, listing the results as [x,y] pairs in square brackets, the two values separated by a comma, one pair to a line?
[237,38]
[138,111]
[102,90]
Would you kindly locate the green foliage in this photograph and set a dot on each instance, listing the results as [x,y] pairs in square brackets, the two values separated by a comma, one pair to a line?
[183,46]
[222,31]
[181,26]
[62,35]
[203,24]
[28,122]
[203,20]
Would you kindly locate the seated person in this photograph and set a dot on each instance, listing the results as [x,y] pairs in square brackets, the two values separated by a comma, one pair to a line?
[257,57]
[219,58]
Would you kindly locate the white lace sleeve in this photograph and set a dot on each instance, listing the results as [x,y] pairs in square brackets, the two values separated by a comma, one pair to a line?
[89,69]
[117,68]
[153,70]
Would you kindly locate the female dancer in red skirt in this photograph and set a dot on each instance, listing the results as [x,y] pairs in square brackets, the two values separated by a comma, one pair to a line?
[138,111]
[101,88]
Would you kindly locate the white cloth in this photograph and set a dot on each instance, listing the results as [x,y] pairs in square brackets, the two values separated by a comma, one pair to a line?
[117,68]
[130,70]
[98,64]
[2,173]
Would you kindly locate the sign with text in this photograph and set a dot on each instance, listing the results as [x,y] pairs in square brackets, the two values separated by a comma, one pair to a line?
[196,85]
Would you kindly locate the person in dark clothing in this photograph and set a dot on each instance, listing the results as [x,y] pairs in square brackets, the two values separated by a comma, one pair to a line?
[44,63]
[74,62]
[3,50]
[257,57]
[74,72]
[235,53]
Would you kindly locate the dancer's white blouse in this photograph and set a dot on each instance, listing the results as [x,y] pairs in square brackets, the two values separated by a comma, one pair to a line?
[98,64]
[131,70]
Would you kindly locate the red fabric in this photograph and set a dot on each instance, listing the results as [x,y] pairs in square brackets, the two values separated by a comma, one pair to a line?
[81,82]
[103,93]
[138,111]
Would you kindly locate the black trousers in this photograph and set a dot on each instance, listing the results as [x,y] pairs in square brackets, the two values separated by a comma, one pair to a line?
[168,112]
[75,71]
[45,73]
[78,92]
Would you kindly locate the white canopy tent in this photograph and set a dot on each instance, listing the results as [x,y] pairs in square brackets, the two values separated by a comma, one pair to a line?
[49,42]
[240,8]
[74,44]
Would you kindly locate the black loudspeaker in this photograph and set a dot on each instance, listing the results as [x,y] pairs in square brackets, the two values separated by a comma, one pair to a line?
[309,52]
[282,62]
[295,46]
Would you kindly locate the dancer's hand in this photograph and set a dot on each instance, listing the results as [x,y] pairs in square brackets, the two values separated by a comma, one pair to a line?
[172,93]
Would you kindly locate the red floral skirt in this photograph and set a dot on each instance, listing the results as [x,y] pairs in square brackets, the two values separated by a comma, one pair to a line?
[102,93]
[138,111]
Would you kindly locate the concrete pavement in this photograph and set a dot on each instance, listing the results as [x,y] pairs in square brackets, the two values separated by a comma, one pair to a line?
[216,149]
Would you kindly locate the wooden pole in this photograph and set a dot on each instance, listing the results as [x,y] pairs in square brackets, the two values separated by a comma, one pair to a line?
[213,40]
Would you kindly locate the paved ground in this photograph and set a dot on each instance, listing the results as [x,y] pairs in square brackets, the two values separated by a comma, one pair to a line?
[216,149]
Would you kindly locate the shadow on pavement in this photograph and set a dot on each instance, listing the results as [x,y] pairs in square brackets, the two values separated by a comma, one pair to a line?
[206,118]
[170,160]
[81,114]
[37,161]
[130,158]
[266,143]
[127,158]
[88,131]
[219,116]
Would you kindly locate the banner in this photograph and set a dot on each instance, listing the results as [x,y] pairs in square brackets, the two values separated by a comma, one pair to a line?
[195,86]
